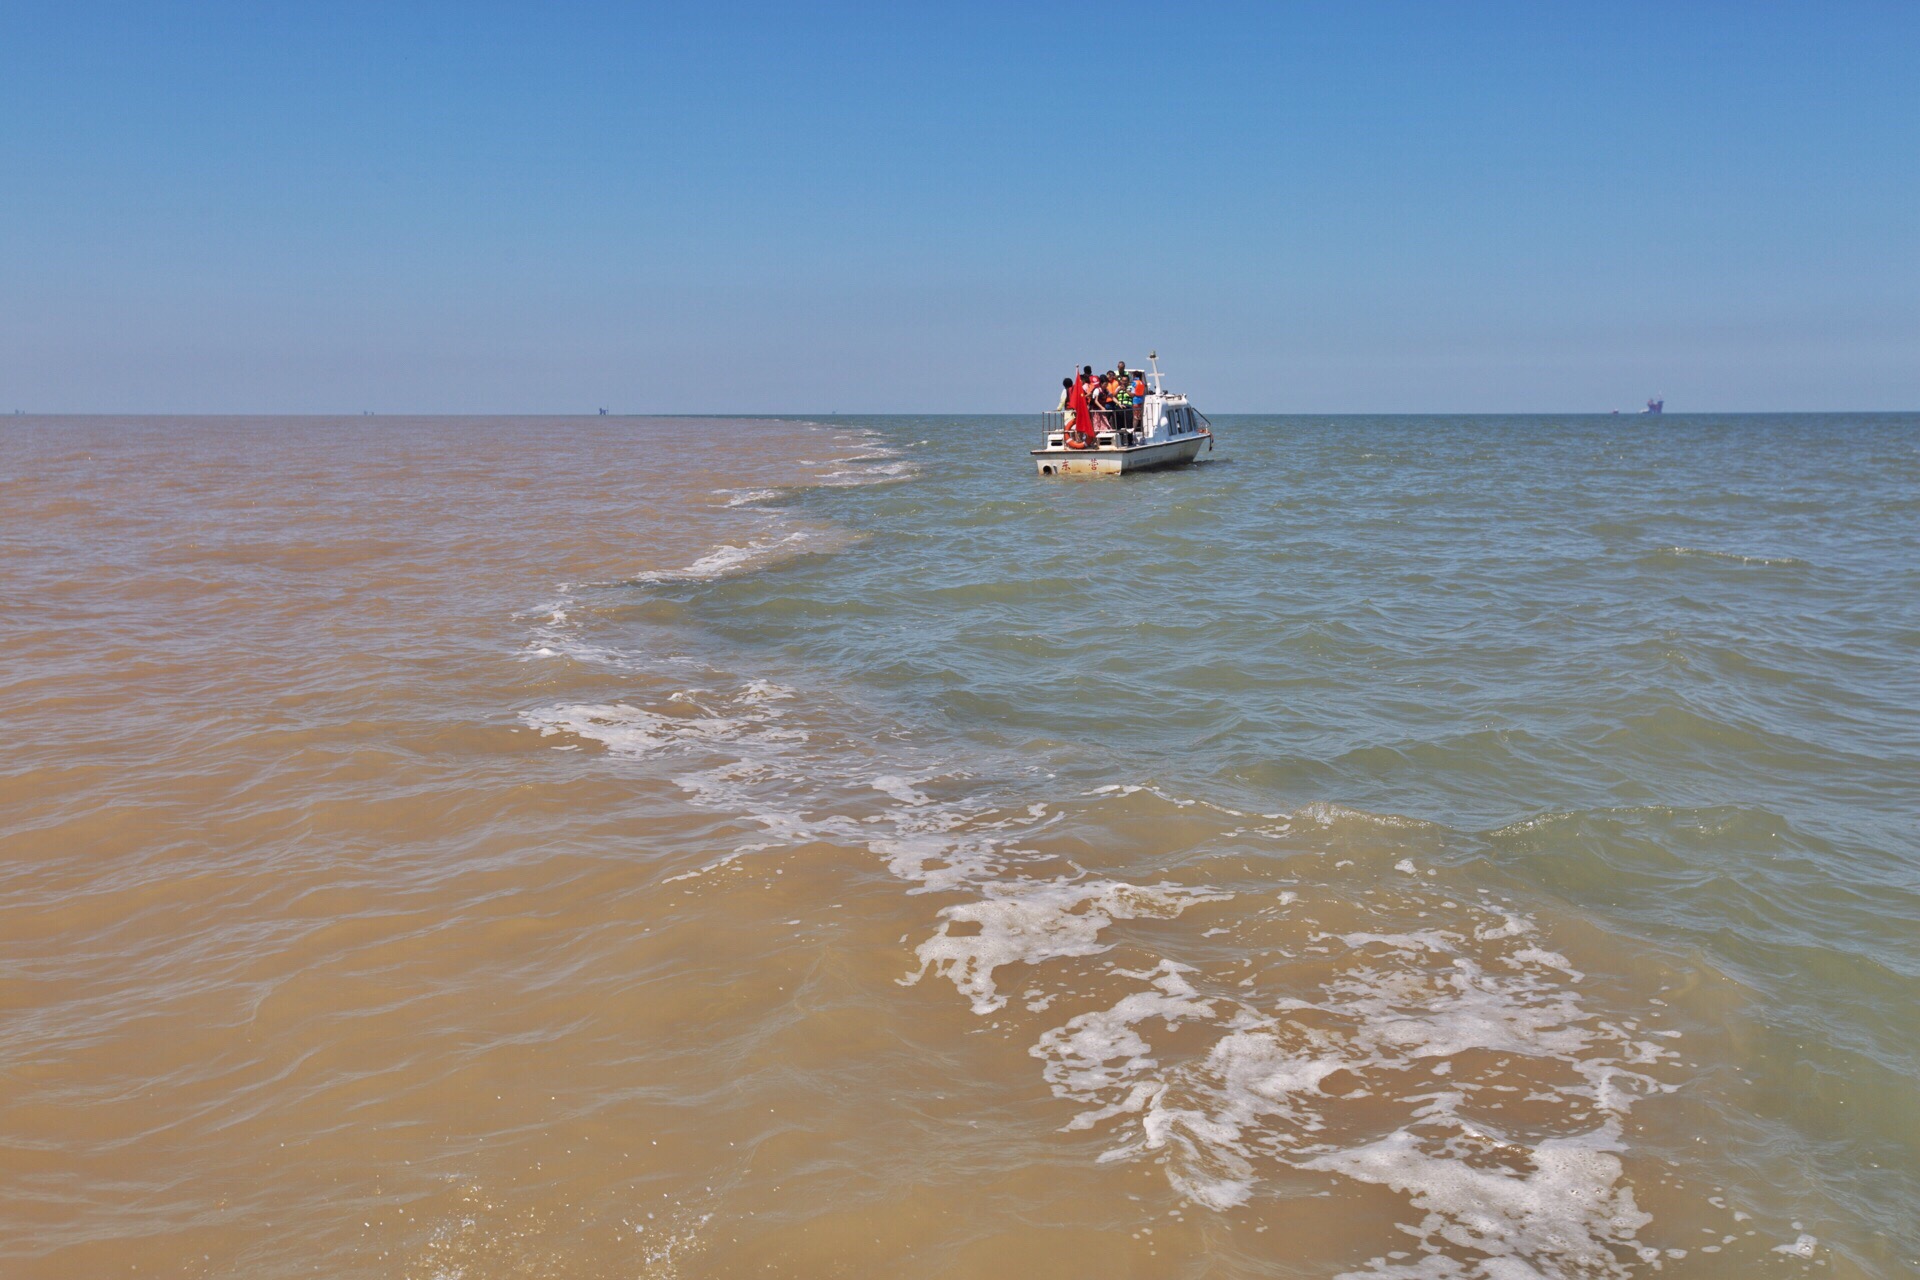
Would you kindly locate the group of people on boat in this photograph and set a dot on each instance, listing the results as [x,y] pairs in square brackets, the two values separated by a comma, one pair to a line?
[1107,402]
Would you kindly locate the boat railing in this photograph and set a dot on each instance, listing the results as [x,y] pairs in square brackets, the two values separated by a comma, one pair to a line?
[1104,420]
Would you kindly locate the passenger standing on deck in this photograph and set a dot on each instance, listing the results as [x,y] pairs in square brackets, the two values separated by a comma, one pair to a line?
[1081,428]
[1139,399]
[1066,394]
[1123,403]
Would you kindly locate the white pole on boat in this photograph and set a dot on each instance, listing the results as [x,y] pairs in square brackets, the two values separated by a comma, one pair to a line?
[1153,358]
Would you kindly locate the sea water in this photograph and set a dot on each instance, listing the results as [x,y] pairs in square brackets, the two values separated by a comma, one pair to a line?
[1392,847]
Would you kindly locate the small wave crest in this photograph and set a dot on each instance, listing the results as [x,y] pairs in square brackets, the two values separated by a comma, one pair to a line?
[556,632]
[747,497]
[886,473]
[1726,557]
[735,558]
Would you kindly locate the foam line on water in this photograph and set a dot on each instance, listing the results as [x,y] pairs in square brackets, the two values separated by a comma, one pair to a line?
[555,632]
[1731,557]
[1454,1063]
[748,497]
[730,559]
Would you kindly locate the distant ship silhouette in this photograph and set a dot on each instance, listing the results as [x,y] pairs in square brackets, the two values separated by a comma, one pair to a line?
[1655,406]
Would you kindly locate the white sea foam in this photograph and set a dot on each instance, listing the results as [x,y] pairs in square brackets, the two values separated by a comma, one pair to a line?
[935,860]
[1732,556]
[765,691]
[629,730]
[1805,1247]
[1408,1007]
[1435,1026]
[1419,940]
[1168,797]
[1511,926]
[731,558]
[1539,955]
[748,497]
[1097,1050]
[851,477]
[1328,815]
[1555,1218]
[556,632]
[1030,921]
[900,789]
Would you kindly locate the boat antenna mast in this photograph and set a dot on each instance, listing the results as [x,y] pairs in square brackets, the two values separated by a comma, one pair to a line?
[1153,358]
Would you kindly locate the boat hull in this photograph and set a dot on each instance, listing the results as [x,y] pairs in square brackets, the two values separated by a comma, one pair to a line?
[1115,461]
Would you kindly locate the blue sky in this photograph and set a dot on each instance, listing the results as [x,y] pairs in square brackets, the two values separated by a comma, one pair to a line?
[872,208]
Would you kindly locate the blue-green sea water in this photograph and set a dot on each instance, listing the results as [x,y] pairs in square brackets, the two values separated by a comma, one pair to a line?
[1647,689]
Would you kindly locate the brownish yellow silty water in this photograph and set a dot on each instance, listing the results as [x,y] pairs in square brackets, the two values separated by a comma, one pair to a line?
[579,848]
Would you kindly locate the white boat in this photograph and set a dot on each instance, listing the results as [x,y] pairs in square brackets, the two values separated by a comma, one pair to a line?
[1163,431]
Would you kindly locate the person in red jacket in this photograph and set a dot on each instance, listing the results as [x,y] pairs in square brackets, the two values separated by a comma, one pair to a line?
[1080,430]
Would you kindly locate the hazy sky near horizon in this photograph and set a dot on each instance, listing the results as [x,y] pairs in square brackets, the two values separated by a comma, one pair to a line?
[1362,207]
